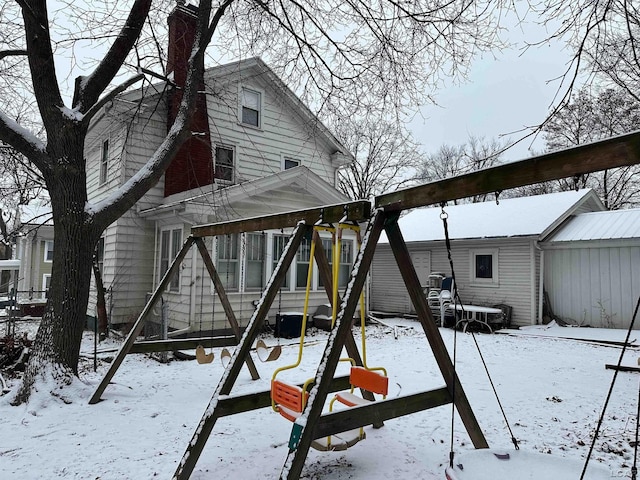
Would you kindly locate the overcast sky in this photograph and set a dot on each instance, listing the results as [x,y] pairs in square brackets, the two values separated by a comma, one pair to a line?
[502,95]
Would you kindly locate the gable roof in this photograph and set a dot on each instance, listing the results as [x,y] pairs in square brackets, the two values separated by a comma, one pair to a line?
[535,216]
[607,225]
[260,193]
[256,64]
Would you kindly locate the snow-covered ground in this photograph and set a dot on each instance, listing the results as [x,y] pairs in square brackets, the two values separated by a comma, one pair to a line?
[552,390]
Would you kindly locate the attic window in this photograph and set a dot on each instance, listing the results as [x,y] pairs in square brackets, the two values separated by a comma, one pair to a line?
[290,163]
[251,103]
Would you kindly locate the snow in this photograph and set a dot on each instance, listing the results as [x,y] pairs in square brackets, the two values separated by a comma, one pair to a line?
[509,217]
[552,390]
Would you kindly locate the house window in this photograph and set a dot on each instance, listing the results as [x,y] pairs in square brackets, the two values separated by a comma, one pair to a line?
[46,284]
[48,251]
[170,243]
[290,163]
[227,261]
[104,162]
[484,267]
[303,255]
[346,259]
[224,163]
[254,261]
[279,244]
[100,254]
[251,103]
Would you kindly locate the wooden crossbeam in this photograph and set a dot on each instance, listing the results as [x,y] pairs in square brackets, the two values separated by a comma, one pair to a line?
[151,346]
[614,152]
[379,411]
[357,211]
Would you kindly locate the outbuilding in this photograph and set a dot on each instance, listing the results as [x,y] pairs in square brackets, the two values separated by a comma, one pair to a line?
[495,249]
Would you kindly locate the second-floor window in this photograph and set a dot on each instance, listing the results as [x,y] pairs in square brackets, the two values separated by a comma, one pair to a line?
[251,107]
[170,243]
[224,166]
[48,251]
[104,162]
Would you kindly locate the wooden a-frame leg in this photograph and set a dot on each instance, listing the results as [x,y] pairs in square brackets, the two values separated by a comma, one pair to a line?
[403,259]
[137,326]
[295,460]
[211,414]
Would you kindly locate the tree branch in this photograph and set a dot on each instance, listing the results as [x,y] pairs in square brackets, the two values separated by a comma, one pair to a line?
[89,89]
[12,53]
[110,96]
[109,209]
[23,141]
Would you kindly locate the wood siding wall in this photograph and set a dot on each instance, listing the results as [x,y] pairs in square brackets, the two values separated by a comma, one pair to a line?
[593,285]
[514,270]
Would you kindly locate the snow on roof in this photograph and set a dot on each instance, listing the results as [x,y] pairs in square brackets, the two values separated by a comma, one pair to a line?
[608,225]
[512,217]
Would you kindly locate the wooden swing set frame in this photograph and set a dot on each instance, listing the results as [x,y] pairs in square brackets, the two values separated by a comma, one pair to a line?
[618,151]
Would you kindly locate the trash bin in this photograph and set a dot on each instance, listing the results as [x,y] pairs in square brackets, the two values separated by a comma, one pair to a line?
[288,325]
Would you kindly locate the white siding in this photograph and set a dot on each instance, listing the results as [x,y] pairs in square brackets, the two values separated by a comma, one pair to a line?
[283,131]
[514,271]
[596,285]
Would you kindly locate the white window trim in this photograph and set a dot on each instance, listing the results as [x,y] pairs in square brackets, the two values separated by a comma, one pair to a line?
[234,171]
[45,276]
[484,282]
[46,250]
[170,229]
[103,171]
[260,92]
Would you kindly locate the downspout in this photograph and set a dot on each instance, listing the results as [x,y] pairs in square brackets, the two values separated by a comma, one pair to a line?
[155,256]
[540,283]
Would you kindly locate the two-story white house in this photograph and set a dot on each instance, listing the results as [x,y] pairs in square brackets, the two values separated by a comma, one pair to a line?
[256,149]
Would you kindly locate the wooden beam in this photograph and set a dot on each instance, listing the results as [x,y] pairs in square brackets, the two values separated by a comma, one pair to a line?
[408,272]
[357,211]
[212,412]
[151,346]
[137,326]
[379,411]
[618,151]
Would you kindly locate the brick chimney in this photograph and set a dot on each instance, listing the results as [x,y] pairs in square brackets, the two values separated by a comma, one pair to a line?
[192,166]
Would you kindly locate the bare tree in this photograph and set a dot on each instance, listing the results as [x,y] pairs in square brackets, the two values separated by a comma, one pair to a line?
[345,56]
[449,161]
[593,117]
[386,157]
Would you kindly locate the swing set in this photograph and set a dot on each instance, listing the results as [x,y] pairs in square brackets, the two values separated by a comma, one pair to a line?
[310,421]
[290,400]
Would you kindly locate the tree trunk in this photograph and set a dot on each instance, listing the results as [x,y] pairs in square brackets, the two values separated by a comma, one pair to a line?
[55,352]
